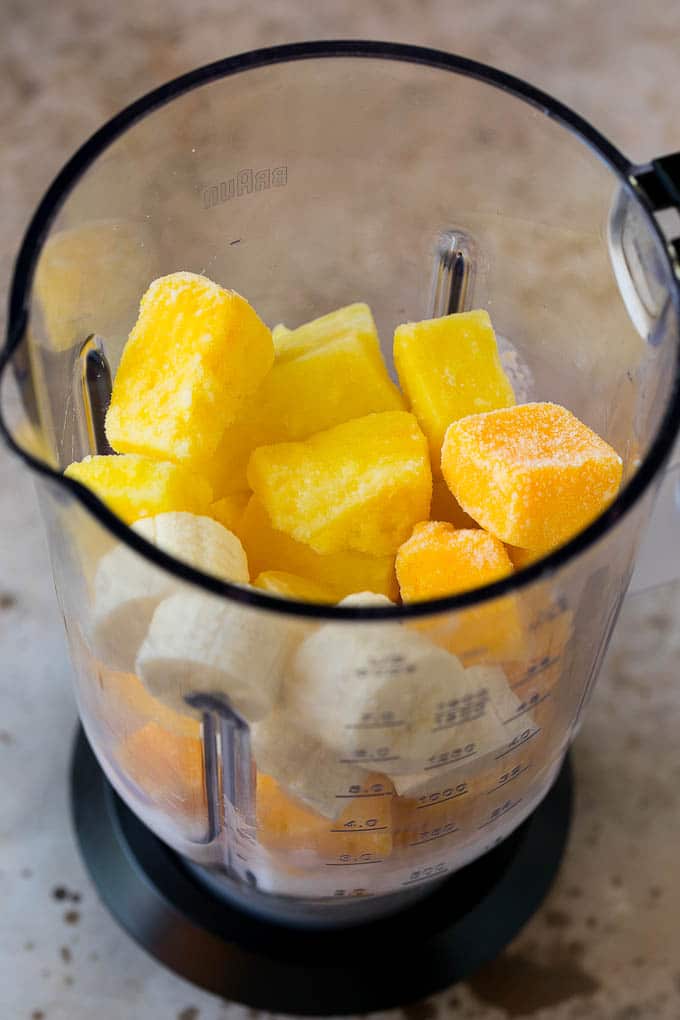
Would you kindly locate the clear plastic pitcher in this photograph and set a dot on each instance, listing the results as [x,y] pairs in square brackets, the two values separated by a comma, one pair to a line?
[335,762]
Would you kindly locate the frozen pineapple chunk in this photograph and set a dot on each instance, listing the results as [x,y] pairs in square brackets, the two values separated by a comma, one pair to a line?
[195,353]
[342,572]
[440,560]
[229,510]
[448,368]
[320,388]
[352,319]
[291,586]
[533,475]
[135,487]
[361,485]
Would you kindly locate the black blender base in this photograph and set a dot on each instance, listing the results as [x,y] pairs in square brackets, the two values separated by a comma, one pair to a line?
[440,940]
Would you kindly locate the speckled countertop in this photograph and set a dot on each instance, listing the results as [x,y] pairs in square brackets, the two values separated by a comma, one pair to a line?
[606,944]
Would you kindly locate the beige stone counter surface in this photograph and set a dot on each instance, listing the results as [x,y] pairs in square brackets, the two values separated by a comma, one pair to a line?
[606,944]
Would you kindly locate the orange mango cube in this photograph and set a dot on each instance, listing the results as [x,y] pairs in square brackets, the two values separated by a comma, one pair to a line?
[134,486]
[533,475]
[343,572]
[363,827]
[359,486]
[439,560]
[168,767]
[448,368]
[195,353]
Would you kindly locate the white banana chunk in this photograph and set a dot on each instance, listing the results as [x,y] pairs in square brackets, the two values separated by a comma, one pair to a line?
[128,588]
[302,765]
[374,692]
[200,644]
[366,598]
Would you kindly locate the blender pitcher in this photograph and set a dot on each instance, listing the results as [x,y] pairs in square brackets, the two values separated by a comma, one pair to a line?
[331,763]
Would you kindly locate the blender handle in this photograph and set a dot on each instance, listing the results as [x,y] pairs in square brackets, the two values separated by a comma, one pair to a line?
[657,185]
[658,560]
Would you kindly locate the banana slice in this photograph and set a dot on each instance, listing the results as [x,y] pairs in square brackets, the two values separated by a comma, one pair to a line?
[302,765]
[128,588]
[202,644]
[374,693]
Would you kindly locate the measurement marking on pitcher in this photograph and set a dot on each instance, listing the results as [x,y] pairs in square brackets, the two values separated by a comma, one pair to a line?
[536,670]
[422,874]
[435,798]
[353,864]
[499,812]
[527,706]
[524,738]
[509,777]
[370,828]
[430,837]
[358,796]
[450,761]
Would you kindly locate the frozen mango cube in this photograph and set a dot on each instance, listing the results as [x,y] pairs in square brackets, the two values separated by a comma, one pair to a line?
[445,507]
[342,572]
[320,388]
[533,475]
[363,828]
[292,586]
[135,487]
[127,706]
[229,509]
[440,560]
[352,319]
[523,557]
[195,353]
[168,767]
[449,368]
[361,485]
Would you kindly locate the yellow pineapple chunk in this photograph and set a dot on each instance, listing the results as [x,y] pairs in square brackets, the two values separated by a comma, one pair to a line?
[292,586]
[361,485]
[229,510]
[342,572]
[195,353]
[328,384]
[448,368]
[356,319]
[135,487]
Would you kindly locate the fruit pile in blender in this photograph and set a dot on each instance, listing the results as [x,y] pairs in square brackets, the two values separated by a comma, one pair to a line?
[288,460]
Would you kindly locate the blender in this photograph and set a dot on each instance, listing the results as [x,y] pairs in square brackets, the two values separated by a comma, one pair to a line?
[391,849]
